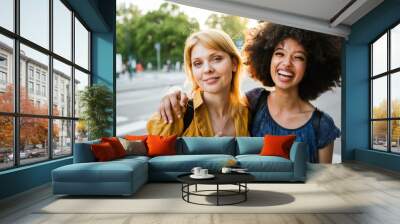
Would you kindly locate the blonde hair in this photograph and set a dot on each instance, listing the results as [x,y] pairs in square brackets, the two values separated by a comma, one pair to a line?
[217,40]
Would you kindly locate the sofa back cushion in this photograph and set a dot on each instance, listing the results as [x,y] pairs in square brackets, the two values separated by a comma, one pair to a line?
[249,145]
[83,152]
[206,145]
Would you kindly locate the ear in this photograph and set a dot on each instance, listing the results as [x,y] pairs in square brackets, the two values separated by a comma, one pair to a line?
[234,65]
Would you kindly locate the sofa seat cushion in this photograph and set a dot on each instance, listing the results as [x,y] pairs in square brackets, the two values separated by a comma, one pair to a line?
[257,163]
[185,163]
[112,171]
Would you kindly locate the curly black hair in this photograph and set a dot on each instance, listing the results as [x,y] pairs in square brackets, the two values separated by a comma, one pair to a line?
[323,68]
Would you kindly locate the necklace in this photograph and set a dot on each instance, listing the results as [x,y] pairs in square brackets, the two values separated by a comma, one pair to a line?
[220,125]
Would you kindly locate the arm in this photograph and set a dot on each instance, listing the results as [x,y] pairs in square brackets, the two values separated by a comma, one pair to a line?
[325,153]
[157,126]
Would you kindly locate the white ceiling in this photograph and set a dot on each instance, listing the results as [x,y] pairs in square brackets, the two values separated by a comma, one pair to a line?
[324,16]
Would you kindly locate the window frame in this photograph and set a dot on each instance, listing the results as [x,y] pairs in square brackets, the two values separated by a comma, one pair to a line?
[388,74]
[16,63]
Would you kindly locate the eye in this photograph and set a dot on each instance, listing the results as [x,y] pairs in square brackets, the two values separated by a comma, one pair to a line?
[300,58]
[196,64]
[217,58]
[278,53]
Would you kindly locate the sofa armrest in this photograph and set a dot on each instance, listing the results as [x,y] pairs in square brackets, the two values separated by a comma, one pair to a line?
[298,155]
[83,152]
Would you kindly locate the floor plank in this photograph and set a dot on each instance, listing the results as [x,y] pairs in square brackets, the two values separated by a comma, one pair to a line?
[376,190]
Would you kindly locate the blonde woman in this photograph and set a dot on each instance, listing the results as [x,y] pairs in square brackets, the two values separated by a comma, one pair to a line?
[212,64]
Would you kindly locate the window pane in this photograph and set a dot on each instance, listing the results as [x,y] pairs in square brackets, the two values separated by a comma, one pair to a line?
[395,94]
[33,140]
[395,136]
[6,74]
[34,72]
[35,21]
[81,131]
[62,29]
[81,81]
[395,47]
[62,137]
[379,135]
[6,142]
[62,89]
[379,55]
[379,97]
[81,45]
[7,14]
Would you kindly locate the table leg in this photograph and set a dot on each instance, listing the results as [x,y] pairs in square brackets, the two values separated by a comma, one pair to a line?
[217,194]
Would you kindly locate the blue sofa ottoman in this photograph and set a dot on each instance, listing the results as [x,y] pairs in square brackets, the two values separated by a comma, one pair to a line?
[87,177]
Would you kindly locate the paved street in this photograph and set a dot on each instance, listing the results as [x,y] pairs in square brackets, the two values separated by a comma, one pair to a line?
[138,97]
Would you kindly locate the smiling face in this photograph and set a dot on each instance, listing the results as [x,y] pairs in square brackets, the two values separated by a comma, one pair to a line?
[288,64]
[212,69]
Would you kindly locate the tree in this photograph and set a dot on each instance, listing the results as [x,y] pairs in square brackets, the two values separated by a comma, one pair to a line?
[235,26]
[138,34]
[33,130]
[127,17]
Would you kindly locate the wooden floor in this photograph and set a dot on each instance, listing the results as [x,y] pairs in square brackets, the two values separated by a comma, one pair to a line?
[377,188]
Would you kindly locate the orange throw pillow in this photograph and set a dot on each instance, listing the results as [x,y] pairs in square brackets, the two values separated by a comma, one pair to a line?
[103,152]
[160,145]
[116,145]
[277,145]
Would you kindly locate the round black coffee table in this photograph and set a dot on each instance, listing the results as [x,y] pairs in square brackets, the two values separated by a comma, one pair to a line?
[238,179]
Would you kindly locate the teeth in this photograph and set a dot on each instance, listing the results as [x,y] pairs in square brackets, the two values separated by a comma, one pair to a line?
[285,73]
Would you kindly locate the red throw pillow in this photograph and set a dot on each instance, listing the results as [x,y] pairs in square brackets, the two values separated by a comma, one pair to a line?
[116,145]
[103,152]
[136,137]
[275,145]
[160,145]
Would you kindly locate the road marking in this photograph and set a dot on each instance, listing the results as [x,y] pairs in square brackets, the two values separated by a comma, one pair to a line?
[121,119]
[131,127]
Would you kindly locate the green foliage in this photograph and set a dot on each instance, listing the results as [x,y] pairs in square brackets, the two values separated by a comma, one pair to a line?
[232,25]
[137,34]
[97,104]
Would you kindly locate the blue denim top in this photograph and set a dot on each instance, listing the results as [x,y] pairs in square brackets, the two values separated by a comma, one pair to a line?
[262,123]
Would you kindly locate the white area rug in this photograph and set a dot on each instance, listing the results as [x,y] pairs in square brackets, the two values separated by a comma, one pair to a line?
[166,198]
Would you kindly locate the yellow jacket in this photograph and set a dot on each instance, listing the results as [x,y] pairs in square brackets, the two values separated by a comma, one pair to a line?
[201,123]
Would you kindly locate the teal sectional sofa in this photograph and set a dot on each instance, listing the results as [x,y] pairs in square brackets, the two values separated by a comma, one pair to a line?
[125,176]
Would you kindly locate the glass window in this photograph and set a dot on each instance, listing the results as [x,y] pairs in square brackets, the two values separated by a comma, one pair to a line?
[81,131]
[62,72]
[34,21]
[6,74]
[40,62]
[395,47]
[379,98]
[385,125]
[81,45]
[30,87]
[395,136]
[379,56]
[6,142]
[62,29]
[62,138]
[395,95]
[379,135]
[33,140]
[81,81]
[7,14]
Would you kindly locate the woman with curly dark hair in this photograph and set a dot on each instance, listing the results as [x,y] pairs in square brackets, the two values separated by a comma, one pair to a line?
[300,65]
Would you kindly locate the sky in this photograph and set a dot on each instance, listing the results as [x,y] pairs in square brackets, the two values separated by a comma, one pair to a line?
[200,14]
